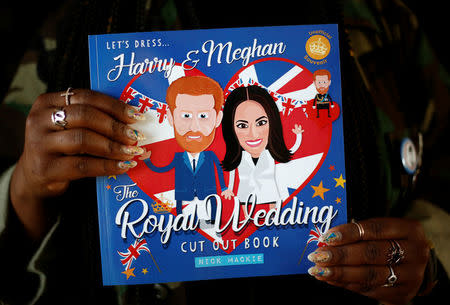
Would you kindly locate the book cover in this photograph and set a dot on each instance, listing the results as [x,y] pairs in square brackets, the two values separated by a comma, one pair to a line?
[243,168]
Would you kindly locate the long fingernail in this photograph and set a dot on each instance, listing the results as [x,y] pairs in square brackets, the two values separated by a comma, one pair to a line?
[134,114]
[135,135]
[132,150]
[319,256]
[127,164]
[331,237]
[319,271]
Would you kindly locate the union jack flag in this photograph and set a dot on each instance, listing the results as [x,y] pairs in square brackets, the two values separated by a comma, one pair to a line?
[284,103]
[133,252]
[288,104]
[128,95]
[314,235]
[235,85]
[145,103]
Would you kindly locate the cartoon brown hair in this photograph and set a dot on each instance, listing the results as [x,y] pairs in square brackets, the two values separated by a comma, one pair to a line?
[322,72]
[195,85]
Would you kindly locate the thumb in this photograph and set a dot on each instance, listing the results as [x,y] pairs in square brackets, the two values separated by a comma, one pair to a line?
[57,188]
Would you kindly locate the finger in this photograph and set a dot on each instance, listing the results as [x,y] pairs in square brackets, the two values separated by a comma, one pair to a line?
[103,102]
[362,253]
[373,229]
[85,116]
[145,155]
[367,277]
[77,167]
[84,141]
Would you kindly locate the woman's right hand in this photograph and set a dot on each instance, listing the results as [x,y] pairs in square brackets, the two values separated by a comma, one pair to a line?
[145,155]
[227,194]
[96,141]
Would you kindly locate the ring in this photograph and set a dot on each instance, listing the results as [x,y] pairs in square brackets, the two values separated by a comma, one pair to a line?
[360,229]
[67,95]
[59,118]
[392,278]
[396,254]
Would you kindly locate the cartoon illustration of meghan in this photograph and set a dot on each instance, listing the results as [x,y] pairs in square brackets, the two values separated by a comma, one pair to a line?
[254,140]
[195,104]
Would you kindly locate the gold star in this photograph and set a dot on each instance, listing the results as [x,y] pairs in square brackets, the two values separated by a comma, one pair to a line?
[114,177]
[144,270]
[339,181]
[338,200]
[129,272]
[319,190]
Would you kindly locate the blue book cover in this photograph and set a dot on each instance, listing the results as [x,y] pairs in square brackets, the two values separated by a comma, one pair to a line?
[243,169]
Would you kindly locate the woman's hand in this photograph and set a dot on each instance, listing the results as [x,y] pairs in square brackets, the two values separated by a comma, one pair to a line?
[361,260]
[145,155]
[297,129]
[227,194]
[96,141]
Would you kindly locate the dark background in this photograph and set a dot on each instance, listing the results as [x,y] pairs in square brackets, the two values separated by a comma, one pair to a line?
[19,22]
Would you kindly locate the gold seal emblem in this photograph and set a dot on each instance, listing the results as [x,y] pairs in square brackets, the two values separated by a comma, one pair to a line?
[317,47]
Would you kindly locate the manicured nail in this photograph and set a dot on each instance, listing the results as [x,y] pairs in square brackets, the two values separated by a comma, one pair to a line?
[135,135]
[331,237]
[134,114]
[132,150]
[319,271]
[127,164]
[319,256]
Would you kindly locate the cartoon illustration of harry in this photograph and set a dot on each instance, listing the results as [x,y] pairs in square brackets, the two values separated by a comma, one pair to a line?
[322,100]
[195,104]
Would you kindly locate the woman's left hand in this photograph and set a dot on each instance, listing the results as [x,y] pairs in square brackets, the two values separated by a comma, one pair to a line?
[358,257]
[297,129]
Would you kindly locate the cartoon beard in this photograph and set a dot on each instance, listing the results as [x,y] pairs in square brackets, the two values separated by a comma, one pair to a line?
[322,90]
[194,142]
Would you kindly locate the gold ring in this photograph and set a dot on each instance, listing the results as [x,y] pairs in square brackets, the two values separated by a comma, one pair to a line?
[360,229]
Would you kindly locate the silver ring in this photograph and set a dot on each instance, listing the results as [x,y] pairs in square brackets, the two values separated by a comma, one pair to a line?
[392,278]
[360,229]
[397,254]
[59,118]
[67,95]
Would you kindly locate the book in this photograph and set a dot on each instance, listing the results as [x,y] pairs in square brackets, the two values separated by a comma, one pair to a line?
[243,169]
